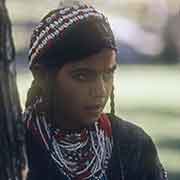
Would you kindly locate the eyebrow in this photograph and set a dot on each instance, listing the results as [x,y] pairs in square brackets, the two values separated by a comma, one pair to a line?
[89,70]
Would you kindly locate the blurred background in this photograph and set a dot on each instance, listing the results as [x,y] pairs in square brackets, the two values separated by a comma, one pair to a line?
[147,91]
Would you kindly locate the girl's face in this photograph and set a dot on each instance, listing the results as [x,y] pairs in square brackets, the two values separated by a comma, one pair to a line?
[83,89]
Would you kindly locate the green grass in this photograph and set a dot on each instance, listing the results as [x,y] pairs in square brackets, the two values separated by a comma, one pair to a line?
[148,96]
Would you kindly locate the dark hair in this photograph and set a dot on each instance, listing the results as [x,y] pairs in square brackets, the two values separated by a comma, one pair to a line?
[43,88]
[112,102]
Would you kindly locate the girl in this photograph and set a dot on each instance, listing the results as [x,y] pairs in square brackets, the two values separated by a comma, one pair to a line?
[73,58]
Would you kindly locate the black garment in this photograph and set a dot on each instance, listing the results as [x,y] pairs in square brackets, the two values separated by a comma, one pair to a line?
[134,156]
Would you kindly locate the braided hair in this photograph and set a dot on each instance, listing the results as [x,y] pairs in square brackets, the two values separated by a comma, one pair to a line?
[112,102]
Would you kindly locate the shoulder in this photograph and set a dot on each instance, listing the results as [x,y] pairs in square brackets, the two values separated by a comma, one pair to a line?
[126,130]
[136,149]
[131,138]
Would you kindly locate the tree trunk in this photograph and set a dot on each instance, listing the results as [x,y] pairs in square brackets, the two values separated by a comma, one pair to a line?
[11,129]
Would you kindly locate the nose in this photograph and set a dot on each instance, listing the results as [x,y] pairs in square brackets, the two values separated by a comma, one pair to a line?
[98,88]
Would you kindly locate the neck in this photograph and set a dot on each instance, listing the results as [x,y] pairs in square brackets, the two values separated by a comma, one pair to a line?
[65,123]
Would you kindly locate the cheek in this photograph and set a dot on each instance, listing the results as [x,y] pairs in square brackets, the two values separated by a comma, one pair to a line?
[71,96]
[71,103]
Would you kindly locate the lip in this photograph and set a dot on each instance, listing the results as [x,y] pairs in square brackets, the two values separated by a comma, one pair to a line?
[94,108]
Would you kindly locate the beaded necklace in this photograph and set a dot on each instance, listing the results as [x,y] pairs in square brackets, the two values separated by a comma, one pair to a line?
[78,155]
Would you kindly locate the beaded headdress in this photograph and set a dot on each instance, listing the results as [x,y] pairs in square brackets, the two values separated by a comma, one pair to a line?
[71,32]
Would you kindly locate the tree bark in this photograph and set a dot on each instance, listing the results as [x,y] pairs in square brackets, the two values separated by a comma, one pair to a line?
[11,129]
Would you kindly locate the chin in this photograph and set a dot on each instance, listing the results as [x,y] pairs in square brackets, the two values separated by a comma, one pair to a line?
[88,121]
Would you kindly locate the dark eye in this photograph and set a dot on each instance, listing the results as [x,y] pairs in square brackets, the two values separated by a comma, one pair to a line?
[81,77]
[85,77]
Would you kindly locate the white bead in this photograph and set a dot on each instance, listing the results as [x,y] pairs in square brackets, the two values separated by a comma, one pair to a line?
[48,20]
[52,26]
[60,20]
[56,23]
[61,12]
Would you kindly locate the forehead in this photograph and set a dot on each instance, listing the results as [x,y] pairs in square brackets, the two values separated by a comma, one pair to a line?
[104,60]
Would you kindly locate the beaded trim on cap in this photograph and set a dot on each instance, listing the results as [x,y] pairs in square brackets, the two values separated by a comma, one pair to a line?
[54,25]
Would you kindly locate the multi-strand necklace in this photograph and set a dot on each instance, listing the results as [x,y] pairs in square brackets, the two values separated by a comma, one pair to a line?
[78,155]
